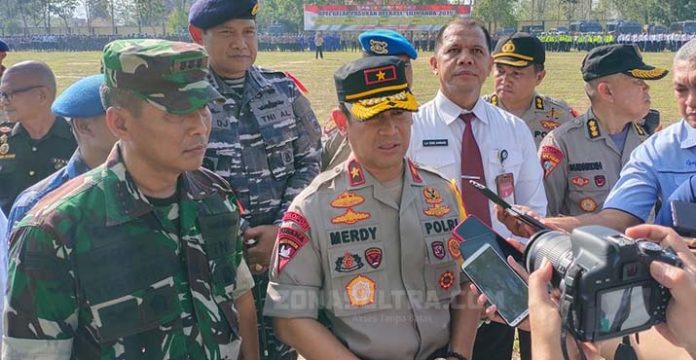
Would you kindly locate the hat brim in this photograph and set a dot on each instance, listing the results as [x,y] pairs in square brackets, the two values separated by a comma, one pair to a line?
[506,60]
[363,111]
[186,100]
[647,72]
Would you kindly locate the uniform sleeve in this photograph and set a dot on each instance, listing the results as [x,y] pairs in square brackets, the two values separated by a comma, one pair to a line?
[530,183]
[295,279]
[555,164]
[244,281]
[41,312]
[307,152]
[637,190]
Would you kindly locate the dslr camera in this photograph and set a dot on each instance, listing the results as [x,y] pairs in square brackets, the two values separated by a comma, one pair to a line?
[604,278]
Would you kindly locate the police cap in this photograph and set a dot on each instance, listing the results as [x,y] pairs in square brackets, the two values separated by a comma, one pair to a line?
[374,84]
[81,99]
[386,42]
[206,14]
[618,58]
[519,50]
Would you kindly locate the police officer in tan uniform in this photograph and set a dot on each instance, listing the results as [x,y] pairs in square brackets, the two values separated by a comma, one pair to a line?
[519,69]
[582,159]
[369,242]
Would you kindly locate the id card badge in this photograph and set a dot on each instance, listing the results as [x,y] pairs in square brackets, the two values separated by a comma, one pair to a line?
[505,183]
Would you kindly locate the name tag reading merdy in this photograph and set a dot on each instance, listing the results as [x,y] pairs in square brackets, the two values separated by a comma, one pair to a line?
[435,142]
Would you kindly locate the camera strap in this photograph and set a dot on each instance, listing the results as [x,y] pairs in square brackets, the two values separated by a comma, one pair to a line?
[567,321]
[625,351]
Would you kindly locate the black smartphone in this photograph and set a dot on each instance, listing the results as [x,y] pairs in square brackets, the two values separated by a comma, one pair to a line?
[473,233]
[534,223]
[684,217]
[501,285]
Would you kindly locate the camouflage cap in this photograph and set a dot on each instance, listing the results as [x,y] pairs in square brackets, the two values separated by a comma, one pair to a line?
[169,75]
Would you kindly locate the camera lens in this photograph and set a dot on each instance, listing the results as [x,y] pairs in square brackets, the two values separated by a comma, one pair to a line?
[555,247]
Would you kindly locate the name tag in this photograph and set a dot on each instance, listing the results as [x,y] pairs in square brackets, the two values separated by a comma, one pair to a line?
[435,142]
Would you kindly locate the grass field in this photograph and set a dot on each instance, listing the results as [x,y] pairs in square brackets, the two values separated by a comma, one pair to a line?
[562,81]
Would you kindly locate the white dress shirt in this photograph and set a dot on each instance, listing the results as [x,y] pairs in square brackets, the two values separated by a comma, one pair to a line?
[436,141]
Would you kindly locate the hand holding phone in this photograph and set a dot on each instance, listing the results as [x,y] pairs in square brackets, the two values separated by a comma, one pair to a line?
[534,223]
[472,233]
[502,286]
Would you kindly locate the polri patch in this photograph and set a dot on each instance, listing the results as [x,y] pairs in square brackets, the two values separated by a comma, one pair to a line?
[373,256]
[438,248]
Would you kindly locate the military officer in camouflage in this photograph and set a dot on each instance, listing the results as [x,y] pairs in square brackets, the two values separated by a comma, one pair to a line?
[377,42]
[369,244]
[140,257]
[582,159]
[265,139]
[519,69]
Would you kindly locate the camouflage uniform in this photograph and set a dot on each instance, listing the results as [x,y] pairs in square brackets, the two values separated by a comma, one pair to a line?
[266,143]
[98,270]
[543,115]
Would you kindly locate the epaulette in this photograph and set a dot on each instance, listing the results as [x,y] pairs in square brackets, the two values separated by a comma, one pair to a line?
[429,169]
[492,98]
[210,179]
[556,102]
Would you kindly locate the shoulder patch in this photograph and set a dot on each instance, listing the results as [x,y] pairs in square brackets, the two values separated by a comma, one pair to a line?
[550,156]
[297,218]
[289,243]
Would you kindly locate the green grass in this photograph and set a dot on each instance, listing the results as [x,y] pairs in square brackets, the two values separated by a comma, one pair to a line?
[562,81]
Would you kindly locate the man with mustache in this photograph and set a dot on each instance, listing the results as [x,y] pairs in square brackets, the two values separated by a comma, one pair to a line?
[368,244]
[140,257]
[519,68]
[582,159]
[265,138]
[465,137]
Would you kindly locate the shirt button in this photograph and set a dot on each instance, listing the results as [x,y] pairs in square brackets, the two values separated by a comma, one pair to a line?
[31,173]
[33,148]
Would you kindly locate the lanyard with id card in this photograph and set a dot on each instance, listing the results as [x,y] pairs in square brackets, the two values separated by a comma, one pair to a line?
[505,182]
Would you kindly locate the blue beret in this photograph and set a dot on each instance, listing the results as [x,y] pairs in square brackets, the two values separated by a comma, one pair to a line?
[81,99]
[205,14]
[386,42]
[4,47]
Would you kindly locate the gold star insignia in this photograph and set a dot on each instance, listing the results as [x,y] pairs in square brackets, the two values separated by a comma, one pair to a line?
[381,75]
[355,172]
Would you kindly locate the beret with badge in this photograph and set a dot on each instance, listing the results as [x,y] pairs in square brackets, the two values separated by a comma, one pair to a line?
[373,84]
[168,75]
[519,50]
[81,99]
[4,47]
[205,14]
[386,42]
[618,59]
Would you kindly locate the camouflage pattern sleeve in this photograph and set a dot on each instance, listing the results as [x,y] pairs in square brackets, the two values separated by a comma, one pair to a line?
[307,150]
[41,313]
[555,165]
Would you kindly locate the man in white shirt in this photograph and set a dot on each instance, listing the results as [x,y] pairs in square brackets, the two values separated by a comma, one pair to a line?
[502,148]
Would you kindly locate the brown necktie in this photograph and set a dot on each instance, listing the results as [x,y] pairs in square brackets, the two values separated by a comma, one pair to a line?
[472,168]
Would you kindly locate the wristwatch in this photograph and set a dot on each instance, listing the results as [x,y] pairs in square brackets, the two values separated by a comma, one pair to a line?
[453,354]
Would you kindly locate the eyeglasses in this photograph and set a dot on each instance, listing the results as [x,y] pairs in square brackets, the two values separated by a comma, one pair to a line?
[7,95]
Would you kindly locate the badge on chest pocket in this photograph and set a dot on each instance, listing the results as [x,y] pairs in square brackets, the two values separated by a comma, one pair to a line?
[505,183]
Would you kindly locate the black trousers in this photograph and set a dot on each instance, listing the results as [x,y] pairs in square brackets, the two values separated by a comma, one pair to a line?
[494,341]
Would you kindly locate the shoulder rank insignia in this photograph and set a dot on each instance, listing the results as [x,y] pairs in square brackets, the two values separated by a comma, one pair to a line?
[551,156]
[639,129]
[433,198]
[539,103]
[361,291]
[415,175]
[355,172]
[493,100]
[373,256]
[348,262]
[593,128]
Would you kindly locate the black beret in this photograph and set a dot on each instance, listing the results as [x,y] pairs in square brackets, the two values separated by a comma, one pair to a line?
[206,14]
[618,58]
[519,50]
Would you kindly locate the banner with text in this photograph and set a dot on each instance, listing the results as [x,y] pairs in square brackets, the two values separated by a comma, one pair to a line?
[395,17]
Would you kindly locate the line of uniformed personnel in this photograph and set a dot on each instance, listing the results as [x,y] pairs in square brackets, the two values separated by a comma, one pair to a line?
[149,255]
